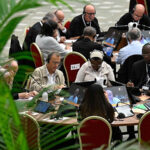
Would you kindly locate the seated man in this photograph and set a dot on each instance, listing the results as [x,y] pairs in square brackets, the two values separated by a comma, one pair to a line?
[48,74]
[86,19]
[87,43]
[97,69]
[134,46]
[140,75]
[137,15]
[61,29]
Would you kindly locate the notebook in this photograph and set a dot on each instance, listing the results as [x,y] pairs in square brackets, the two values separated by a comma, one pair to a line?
[117,95]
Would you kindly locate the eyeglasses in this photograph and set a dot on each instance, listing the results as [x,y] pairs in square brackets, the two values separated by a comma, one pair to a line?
[55,63]
[90,14]
[60,21]
[137,15]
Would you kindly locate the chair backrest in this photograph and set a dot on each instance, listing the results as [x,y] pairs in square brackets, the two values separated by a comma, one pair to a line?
[72,63]
[67,24]
[144,129]
[31,130]
[94,131]
[37,55]
[124,72]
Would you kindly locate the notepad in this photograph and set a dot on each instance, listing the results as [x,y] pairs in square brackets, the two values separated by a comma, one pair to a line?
[140,106]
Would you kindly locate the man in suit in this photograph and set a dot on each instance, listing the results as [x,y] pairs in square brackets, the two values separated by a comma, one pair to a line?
[87,18]
[137,15]
[140,75]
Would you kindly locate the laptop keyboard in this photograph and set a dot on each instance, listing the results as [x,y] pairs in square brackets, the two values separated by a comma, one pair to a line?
[147,105]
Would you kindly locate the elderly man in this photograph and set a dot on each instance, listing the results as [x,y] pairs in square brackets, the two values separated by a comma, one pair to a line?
[137,15]
[60,17]
[48,74]
[86,19]
[134,46]
[87,43]
[95,68]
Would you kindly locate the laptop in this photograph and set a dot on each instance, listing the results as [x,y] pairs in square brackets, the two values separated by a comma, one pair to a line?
[117,95]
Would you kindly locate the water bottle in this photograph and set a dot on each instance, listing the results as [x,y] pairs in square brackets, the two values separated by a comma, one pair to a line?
[45,96]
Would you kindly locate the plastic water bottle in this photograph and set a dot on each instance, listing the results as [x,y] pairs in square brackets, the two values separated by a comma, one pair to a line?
[45,96]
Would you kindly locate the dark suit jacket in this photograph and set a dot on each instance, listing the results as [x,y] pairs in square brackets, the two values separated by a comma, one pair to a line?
[125,19]
[139,75]
[29,39]
[85,46]
[31,35]
[77,26]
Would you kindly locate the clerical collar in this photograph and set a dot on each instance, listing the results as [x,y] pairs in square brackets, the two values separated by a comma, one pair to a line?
[85,23]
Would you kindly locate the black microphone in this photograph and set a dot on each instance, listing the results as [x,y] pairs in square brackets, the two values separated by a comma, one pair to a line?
[142,26]
[35,80]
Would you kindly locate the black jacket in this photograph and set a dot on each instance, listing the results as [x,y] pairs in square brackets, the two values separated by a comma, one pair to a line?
[77,26]
[139,75]
[85,46]
[127,18]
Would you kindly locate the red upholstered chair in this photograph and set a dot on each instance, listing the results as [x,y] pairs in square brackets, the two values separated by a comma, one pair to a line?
[31,130]
[67,24]
[94,132]
[144,129]
[72,63]
[37,55]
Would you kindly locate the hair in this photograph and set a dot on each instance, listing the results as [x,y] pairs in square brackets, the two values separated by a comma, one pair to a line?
[48,28]
[49,16]
[89,31]
[134,34]
[145,47]
[50,56]
[95,104]
[86,6]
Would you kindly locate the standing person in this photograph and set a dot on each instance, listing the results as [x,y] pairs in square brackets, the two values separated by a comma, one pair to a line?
[95,103]
[137,15]
[87,18]
[48,74]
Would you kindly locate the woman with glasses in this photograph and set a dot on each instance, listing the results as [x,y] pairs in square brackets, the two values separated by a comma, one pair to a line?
[96,69]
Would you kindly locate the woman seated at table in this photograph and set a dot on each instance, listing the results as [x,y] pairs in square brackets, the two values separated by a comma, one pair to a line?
[47,40]
[95,103]
[97,69]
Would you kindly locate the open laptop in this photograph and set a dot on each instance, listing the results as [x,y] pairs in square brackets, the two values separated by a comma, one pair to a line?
[77,90]
[117,95]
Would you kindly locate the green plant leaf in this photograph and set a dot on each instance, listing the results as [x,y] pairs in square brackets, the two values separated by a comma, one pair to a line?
[7,30]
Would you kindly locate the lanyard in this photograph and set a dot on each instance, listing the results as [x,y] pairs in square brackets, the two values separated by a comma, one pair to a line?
[84,21]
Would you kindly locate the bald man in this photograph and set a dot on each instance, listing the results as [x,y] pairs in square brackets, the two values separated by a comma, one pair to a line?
[61,29]
[136,15]
[87,18]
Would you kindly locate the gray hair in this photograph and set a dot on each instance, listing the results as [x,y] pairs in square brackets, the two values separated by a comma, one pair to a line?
[49,16]
[134,34]
[89,31]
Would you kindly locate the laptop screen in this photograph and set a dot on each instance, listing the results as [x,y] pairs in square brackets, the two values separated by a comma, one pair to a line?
[76,93]
[117,95]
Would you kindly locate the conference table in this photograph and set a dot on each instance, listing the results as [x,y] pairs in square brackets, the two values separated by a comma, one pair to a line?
[45,118]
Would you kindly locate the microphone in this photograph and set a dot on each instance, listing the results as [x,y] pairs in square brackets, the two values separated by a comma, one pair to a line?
[36,81]
[142,26]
